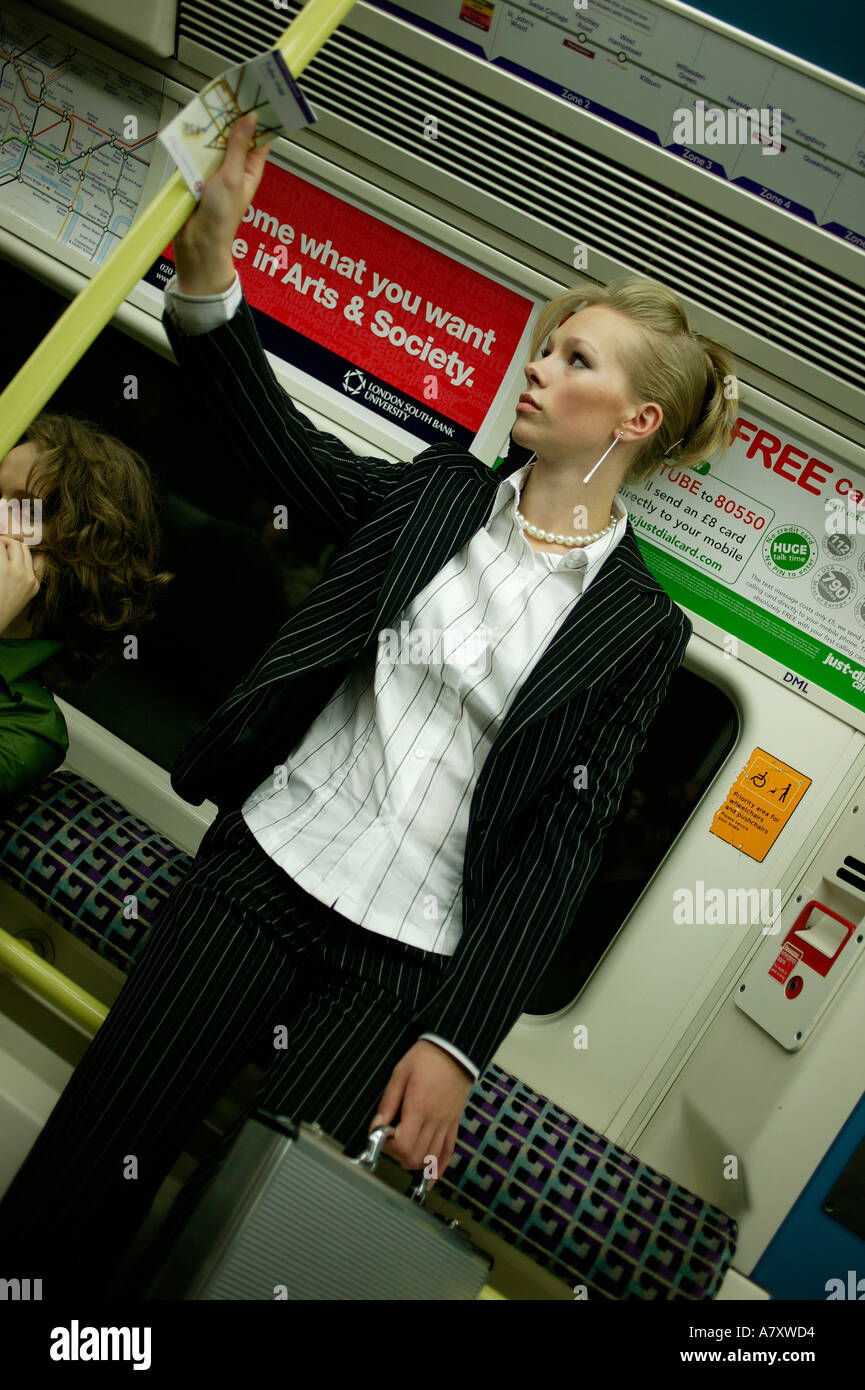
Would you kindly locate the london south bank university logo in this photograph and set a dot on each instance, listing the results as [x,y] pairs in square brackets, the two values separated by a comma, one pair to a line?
[353,382]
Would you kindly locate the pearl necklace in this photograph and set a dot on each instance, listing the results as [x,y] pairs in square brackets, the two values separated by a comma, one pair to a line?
[562,540]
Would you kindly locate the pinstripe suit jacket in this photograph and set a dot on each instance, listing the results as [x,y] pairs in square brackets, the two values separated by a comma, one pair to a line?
[534,837]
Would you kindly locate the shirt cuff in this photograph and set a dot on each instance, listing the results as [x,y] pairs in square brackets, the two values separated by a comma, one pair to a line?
[201,313]
[454,1051]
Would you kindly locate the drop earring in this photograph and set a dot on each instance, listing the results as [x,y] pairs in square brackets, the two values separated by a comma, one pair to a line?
[603,456]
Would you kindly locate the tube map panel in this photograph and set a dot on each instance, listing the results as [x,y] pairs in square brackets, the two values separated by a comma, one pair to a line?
[76,140]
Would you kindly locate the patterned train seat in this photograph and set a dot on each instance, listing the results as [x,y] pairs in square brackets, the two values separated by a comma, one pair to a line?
[90,865]
[565,1196]
[574,1202]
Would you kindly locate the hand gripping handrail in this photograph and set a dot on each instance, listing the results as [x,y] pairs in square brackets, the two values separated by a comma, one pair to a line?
[94,307]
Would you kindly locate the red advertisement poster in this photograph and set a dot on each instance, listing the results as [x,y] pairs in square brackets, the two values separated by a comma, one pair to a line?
[404,329]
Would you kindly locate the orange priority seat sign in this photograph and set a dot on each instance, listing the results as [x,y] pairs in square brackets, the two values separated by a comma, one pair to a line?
[759,804]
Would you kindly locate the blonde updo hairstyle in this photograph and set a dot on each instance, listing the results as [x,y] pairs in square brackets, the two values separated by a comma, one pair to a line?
[685,373]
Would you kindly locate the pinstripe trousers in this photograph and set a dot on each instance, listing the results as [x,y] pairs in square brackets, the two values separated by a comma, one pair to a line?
[241,964]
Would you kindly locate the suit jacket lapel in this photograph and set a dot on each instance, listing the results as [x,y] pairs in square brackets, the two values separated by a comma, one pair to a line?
[610,622]
[453,503]
[581,651]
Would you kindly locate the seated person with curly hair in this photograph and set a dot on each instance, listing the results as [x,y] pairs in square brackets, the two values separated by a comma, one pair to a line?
[77,577]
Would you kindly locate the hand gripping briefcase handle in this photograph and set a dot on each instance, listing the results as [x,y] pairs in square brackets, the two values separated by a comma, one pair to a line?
[369,1159]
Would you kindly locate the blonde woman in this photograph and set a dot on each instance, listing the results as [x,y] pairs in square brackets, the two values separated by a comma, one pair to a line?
[401,844]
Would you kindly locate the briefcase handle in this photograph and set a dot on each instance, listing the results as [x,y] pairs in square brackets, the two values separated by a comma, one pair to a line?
[369,1158]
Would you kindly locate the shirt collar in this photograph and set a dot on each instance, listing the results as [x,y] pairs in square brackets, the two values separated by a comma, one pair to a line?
[585,557]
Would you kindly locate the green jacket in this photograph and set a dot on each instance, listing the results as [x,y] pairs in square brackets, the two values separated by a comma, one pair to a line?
[33,734]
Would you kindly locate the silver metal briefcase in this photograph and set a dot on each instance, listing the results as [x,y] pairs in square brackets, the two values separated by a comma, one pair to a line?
[290,1216]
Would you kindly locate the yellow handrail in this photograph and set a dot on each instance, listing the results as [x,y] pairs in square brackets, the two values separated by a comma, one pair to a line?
[47,368]
[21,961]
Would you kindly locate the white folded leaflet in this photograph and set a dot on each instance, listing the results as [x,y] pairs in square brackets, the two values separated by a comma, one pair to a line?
[197,135]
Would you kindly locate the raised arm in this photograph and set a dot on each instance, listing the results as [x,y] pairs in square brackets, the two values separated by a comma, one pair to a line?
[231,381]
